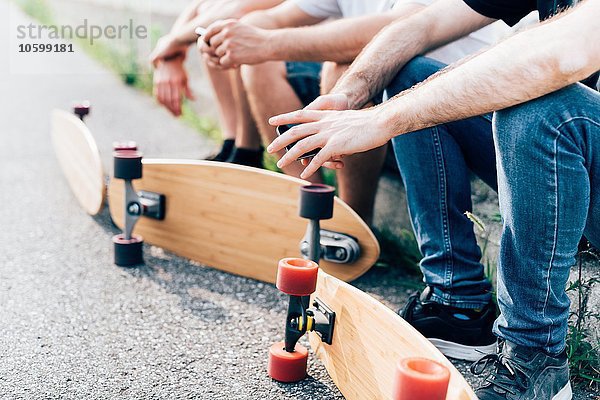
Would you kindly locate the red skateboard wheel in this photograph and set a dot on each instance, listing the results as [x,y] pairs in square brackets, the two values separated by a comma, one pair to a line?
[296,276]
[81,109]
[420,378]
[287,367]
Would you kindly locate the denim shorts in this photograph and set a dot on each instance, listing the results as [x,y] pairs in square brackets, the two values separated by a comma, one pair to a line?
[305,79]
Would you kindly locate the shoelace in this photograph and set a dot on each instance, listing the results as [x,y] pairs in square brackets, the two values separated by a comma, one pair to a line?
[509,375]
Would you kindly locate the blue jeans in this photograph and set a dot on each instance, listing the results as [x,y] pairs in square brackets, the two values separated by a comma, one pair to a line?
[305,78]
[436,165]
[549,187]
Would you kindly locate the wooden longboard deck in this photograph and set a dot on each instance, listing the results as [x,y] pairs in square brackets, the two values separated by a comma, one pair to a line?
[79,160]
[237,219]
[368,341]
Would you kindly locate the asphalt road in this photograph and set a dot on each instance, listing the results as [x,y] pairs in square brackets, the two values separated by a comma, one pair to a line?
[72,324]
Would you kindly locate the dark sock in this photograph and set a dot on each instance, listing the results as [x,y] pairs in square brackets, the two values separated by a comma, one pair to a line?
[248,157]
[225,152]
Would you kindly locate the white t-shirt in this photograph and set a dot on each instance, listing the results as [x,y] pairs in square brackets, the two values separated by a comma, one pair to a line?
[447,54]
[469,44]
[343,8]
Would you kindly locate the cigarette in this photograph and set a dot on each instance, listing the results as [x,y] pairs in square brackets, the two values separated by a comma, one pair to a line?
[200,31]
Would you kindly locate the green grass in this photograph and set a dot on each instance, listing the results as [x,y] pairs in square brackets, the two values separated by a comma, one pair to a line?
[37,9]
[399,250]
[123,64]
[206,126]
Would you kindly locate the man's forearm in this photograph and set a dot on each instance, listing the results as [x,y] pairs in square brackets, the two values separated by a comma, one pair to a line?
[261,19]
[339,41]
[394,46]
[180,31]
[250,6]
[186,16]
[184,31]
[524,67]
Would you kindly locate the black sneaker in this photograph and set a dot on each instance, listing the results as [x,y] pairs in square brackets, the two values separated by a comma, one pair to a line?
[522,373]
[456,332]
[250,158]
[225,152]
[586,247]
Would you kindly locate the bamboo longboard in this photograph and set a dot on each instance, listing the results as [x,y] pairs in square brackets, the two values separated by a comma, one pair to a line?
[238,219]
[79,160]
[368,341]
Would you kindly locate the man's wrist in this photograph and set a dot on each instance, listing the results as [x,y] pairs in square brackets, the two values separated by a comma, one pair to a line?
[385,119]
[355,101]
[354,92]
[180,56]
[177,58]
[274,41]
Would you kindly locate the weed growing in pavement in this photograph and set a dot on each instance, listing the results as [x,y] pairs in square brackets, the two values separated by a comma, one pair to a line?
[398,249]
[489,265]
[583,353]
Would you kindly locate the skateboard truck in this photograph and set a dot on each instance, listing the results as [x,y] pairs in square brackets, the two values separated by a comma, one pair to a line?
[82,109]
[297,277]
[128,166]
[336,247]
[319,319]
[316,203]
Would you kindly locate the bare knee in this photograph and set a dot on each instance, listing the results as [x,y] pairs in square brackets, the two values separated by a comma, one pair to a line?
[257,77]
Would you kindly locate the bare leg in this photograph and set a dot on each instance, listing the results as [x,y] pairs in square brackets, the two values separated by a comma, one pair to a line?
[270,94]
[358,180]
[223,90]
[247,136]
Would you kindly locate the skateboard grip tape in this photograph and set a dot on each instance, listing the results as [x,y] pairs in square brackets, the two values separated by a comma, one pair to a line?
[420,378]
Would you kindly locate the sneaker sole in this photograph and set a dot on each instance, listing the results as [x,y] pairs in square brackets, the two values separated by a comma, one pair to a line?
[566,393]
[463,352]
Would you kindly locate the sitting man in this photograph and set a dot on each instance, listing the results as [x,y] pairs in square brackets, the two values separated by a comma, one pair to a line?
[171,80]
[262,42]
[546,132]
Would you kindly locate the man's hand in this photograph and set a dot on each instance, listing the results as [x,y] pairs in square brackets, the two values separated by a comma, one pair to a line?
[231,43]
[171,85]
[336,133]
[337,101]
[167,48]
